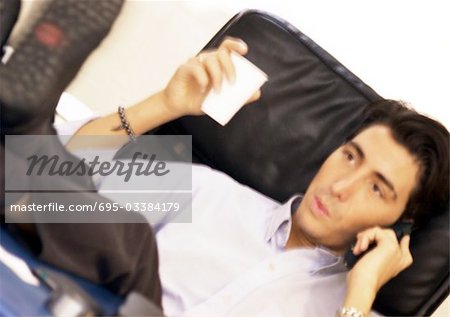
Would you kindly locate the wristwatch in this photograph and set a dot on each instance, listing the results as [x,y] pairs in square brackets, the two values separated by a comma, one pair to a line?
[349,312]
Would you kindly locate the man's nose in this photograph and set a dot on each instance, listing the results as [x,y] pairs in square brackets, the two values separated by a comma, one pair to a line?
[345,186]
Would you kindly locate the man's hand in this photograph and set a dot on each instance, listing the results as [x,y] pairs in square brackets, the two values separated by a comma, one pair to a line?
[192,81]
[379,265]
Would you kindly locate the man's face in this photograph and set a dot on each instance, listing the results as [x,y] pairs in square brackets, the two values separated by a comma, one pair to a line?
[364,183]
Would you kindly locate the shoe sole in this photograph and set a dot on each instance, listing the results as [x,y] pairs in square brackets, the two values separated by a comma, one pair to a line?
[48,58]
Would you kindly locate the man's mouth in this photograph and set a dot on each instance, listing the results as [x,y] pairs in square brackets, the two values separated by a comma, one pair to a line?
[319,208]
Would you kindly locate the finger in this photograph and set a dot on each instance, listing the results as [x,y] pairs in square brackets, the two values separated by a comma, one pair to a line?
[356,247]
[404,242]
[193,60]
[254,97]
[199,59]
[194,68]
[406,253]
[365,241]
[227,64]
[201,77]
[364,238]
[214,72]
[390,233]
[235,44]
[357,242]
[404,245]
[203,56]
[206,52]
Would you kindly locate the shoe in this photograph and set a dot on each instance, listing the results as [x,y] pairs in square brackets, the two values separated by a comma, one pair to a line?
[48,57]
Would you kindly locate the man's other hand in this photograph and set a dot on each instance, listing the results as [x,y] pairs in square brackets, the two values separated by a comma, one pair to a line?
[187,89]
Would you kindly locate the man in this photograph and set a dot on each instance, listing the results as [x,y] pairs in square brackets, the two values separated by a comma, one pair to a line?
[246,254]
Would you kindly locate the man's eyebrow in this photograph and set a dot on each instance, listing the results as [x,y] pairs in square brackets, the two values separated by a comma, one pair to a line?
[358,149]
[379,175]
[388,183]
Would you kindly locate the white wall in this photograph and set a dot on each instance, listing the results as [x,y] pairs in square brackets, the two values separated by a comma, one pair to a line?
[400,48]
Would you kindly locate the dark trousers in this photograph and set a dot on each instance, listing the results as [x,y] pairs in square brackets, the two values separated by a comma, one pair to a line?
[121,256]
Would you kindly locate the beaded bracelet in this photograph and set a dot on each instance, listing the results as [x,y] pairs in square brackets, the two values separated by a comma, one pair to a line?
[125,125]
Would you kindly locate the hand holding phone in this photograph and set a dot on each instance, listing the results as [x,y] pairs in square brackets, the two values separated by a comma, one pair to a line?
[380,257]
[400,228]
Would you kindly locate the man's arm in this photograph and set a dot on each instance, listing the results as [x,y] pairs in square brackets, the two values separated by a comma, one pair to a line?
[182,96]
[375,268]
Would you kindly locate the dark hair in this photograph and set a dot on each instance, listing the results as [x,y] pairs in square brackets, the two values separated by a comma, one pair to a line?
[428,141]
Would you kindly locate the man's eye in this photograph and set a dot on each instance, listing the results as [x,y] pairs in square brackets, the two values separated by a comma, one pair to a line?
[377,190]
[349,156]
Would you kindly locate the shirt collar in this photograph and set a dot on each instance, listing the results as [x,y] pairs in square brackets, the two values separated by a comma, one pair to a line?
[277,234]
[279,227]
[326,262]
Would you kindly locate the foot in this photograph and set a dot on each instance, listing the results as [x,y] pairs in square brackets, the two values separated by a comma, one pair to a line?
[48,58]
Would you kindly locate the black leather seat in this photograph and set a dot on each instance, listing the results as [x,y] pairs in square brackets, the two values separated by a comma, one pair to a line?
[307,109]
